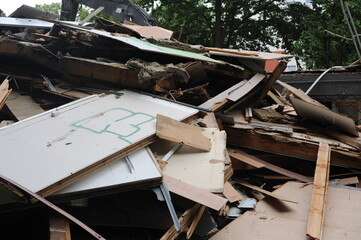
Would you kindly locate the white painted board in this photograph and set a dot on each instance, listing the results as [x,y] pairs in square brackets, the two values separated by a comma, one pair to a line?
[117,173]
[201,169]
[40,151]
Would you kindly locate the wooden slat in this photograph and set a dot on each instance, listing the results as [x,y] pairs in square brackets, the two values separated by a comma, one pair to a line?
[347,181]
[195,221]
[319,191]
[195,194]
[270,194]
[256,162]
[271,80]
[230,193]
[175,131]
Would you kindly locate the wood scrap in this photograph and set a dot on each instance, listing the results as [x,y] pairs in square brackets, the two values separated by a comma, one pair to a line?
[195,194]
[4,92]
[347,181]
[256,162]
[196,219]
[270,194]
[175,131]
[319,191]
[230,193]
[59,228]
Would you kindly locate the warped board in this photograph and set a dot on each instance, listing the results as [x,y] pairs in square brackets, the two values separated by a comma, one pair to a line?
[56,148]
[140,169]
[272,220]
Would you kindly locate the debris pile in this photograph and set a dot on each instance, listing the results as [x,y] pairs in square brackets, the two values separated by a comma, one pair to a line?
[117,126]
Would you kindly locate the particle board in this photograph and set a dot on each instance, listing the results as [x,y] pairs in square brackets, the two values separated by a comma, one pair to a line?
[64,144]
[272,220]
[175,131]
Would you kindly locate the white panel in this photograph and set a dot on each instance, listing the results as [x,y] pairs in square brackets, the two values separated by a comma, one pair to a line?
[42,150]
[117,173]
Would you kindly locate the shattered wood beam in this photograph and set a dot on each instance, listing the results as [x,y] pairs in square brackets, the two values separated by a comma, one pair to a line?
[287,146]
[256,162]
[319,191]
[271,80]
[185,220]
[196,219]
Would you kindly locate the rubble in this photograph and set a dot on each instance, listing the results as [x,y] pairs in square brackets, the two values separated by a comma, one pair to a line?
[123,128]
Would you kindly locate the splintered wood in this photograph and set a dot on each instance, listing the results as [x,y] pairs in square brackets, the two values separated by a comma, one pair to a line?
[318,199]
[175,131]
[4,92]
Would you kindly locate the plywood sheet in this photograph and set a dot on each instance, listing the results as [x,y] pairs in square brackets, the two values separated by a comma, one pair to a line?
[86,134]
[204,170]
[150,31]
[175,131]
[274,221]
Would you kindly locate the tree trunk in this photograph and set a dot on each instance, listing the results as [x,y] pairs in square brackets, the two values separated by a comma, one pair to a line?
[218,40]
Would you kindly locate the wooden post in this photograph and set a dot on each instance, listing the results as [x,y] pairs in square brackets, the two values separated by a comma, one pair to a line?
[319,191]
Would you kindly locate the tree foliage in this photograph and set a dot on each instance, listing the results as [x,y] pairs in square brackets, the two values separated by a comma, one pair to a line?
[257,25]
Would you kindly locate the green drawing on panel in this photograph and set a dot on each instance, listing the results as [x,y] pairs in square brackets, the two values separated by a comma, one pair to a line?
[118,122]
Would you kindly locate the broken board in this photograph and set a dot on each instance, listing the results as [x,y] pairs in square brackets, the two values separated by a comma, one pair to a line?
[60,146]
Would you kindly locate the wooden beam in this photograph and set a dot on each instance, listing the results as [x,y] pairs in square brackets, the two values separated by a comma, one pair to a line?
[175,131]
[256,162]
[59,228]
[319,191]
[271,80]
[195,194]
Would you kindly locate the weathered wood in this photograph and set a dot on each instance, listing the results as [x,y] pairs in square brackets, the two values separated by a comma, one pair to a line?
[22,106]
[319,191]
[287,146]
[195,194]
[175,131]
[59,228]
[271,80]
[347,181]
[256,162]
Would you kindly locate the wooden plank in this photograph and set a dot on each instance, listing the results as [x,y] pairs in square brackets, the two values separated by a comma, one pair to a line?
[4,92]
[246,158]
[256,162]
[271,80]
[274,220]
[195,194]
[270,194]
[276,99]
[230,193]
[99,130]
[243,90]
[319,191]
[291,146]
[59,228]
[347,181]
[175,131]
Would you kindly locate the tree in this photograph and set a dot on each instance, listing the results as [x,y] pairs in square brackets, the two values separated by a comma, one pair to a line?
[52,7]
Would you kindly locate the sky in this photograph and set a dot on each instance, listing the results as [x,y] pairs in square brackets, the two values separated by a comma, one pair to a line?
[9,6]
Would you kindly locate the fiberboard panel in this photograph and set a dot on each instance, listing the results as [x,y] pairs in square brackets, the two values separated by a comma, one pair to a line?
[43,150]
